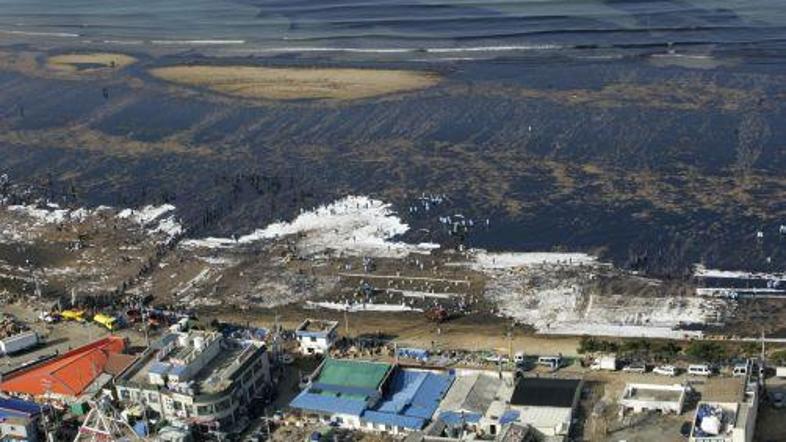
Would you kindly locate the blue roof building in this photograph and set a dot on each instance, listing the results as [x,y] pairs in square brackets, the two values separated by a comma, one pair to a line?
[19,420]
[409,402]
[404,400]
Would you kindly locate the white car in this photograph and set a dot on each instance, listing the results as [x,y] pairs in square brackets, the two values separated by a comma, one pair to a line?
[635,368]
[665,370]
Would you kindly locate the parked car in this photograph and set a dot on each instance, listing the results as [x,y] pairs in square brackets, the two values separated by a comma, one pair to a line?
[665,370]
[552,362]
[699,370]
[635,368]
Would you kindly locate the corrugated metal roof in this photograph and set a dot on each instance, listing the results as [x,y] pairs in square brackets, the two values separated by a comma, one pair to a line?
[410,399]
[69,374]
[397,420]
[308,401]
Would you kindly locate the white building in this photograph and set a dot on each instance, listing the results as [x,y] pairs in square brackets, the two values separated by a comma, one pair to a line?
[639,398]
[197,378]
[316,336]
[485,402]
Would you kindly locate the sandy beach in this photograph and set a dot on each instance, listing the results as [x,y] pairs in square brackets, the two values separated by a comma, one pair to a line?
[297,83]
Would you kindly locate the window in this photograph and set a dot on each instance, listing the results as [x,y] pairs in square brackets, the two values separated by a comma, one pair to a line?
[203,410]
[313,339]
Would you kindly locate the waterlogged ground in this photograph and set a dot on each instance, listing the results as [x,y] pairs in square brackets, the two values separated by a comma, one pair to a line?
[653,163]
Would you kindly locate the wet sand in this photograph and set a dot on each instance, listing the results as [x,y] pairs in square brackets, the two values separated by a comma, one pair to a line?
[88,62]
[297,83]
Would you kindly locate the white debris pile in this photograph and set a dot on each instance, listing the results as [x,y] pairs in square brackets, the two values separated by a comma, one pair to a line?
[354,226]
[556,297]
[156,219]
[152,218]
[50,214]
[363,307]
[700,271]
[483,260]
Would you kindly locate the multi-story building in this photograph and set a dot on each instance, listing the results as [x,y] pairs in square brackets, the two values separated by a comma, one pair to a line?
[197,377]
[316,336]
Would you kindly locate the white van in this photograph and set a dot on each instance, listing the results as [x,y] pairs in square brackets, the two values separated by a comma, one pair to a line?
[699,370]
[742,369]
[518,358]
[665,370]
[553,362]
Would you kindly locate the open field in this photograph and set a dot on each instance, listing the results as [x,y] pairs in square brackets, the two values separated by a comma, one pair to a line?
[297,83]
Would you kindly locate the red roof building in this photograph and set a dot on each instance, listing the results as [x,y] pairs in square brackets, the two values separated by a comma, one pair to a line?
[66,375]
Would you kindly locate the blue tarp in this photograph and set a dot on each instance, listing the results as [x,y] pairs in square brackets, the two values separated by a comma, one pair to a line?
[413,353]
[456,417]
[509,416]
[140,428]
[327,404]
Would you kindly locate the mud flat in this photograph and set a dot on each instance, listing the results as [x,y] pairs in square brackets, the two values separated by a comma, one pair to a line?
[89,62]
[297,83]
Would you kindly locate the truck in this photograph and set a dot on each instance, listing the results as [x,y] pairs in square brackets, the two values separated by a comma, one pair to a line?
[108,322]
[19,342]
[605,363]
[73,315]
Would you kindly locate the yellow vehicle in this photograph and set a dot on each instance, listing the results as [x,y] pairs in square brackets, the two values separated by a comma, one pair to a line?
[109,322]
[73,315]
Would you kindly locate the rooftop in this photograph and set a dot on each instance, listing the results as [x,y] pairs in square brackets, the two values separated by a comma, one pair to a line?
[213,376]
[317,326]
[545,392]
[68,374]
[410,399]
[10,407]
[653,393]
[344,377]
[474,393]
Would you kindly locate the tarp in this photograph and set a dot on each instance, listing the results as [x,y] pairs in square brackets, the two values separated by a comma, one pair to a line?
[509,416]
[457,417]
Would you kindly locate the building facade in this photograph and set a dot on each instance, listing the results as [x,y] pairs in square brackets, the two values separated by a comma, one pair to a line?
[198,378]
[316,336]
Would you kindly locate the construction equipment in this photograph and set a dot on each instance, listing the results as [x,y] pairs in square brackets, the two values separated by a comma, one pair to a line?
[108,322]
[73,315]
